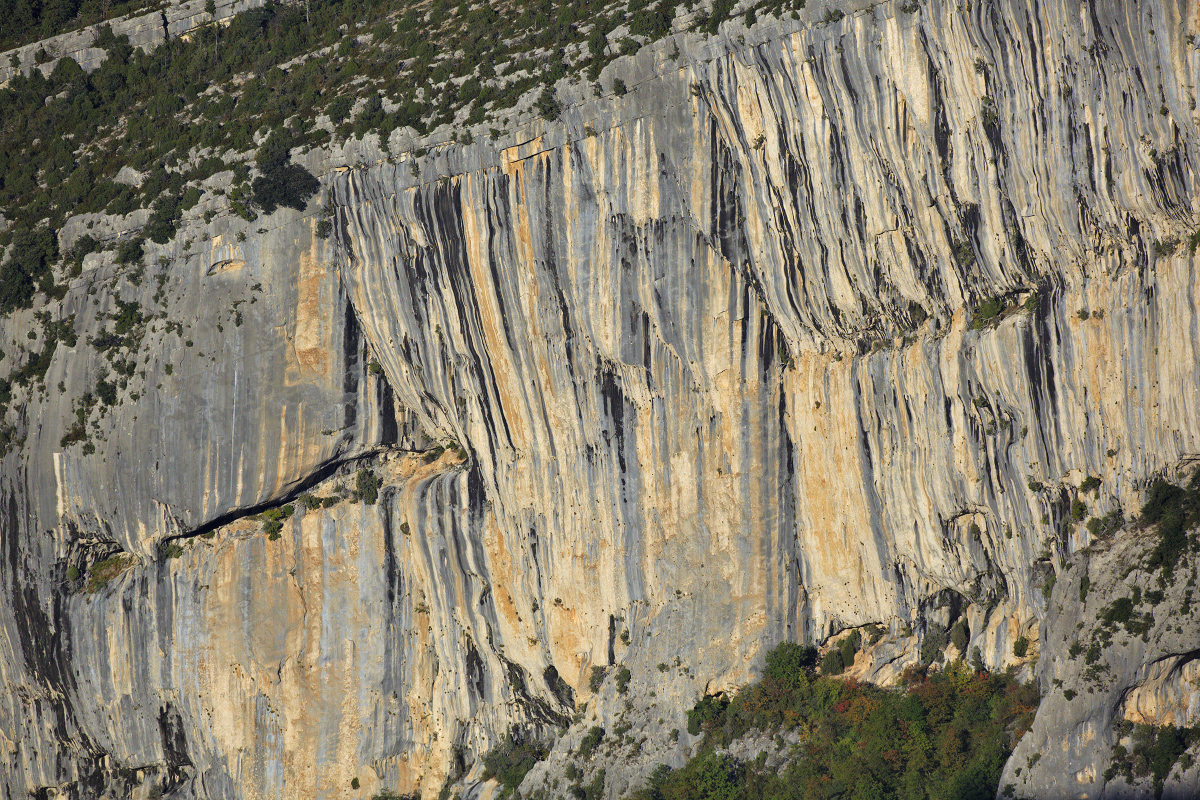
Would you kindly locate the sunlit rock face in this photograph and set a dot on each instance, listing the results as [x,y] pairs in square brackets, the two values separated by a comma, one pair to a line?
[820,325]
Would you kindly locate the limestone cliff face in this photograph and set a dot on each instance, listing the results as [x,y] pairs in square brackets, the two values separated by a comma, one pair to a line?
[707,350]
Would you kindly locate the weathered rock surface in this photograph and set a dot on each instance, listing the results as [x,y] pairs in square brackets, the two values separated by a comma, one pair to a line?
[146,31]
[1145,676]
[709,353]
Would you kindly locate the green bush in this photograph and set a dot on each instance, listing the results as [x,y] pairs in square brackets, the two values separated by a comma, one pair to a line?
[511,761]
[546,105]
[595,789]
[1078,509]
[1175,510]
[849,646]
[707,713]
[367,484]
[1021,647]
[990,308]
[288,185]
[164,220]
[590,741]
[170,549]
[833,663]
[1119,611]
[27,267]
[788,664]
[960,635]
[597,679]
[273,520]
[622,679]
[130,251]
[100,573]
[1155,752]
[933,644]
[1109,523]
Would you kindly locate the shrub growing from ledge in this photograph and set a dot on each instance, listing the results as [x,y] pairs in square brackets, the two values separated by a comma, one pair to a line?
[367,484]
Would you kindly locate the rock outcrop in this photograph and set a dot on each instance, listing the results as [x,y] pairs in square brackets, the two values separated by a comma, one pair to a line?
[146,31]
[821,325]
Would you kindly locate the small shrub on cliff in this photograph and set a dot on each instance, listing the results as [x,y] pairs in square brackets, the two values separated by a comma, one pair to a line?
[850,646]
[1176,510]
[546,105]
[28,265]
[597,678]
[367,484]
[289,185]
[960,636]
[708,713]
[623,676]
[130,251]
[100,573]
[273,520]
[1021,647]
[933,644]
[590,741]
[833,663]
[1109,523]
[990,309]
[1155,751]
[512,760]
[170,549]
[1078,509]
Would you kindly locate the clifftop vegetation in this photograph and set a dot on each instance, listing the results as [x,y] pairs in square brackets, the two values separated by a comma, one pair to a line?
[300,75]
[941,734]
[24,21]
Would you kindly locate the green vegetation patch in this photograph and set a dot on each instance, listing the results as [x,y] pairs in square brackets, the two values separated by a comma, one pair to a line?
[273,520]
[366,486]
[1154,753]
[100,573]
[510,762]
[190,109]
[1175,510]
[940,735]
[988,312]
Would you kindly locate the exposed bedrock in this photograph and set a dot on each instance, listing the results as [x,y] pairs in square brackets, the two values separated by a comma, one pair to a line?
[711,355]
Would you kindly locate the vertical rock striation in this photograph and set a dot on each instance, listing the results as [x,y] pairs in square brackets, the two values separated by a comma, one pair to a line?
[820,325]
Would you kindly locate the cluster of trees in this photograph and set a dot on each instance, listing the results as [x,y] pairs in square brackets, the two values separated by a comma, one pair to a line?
[24,21]
[1176,511]
[28,266]
[1154,751]
[281,182]
[943,734]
